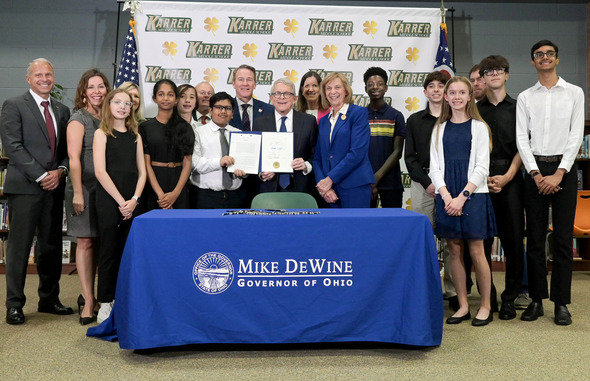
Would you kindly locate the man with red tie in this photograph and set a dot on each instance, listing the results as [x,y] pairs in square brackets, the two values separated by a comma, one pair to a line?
[33,130]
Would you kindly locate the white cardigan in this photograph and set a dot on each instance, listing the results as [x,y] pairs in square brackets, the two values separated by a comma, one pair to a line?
[479,157]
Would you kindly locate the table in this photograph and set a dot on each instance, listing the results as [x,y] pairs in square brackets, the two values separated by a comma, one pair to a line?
[343,275]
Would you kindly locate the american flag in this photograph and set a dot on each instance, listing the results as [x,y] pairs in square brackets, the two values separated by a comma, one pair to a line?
[128,70]
[443,57]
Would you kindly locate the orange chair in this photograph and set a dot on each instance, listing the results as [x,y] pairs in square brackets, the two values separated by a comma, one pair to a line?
[582,221]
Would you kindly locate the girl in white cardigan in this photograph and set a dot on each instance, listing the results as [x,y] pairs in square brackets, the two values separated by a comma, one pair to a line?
[459,163]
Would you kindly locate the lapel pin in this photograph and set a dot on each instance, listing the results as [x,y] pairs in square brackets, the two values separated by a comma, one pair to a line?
[343,117]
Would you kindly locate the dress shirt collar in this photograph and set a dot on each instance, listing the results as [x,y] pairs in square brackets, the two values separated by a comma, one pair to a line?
[240,103]
[38,98]
[342,111]
[214,127]
[560,83]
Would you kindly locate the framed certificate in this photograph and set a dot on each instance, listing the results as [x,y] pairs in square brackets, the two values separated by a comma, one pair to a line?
[277,152]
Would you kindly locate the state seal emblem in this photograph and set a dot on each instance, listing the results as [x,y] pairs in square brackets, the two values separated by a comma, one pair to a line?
[213,273]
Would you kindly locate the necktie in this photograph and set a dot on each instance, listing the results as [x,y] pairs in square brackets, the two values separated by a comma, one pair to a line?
[50,127]
[245,118]
[226,179]
[203,119]
[285,178]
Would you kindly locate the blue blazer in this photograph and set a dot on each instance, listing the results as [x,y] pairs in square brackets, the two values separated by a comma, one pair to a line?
[346,158]
[259,108]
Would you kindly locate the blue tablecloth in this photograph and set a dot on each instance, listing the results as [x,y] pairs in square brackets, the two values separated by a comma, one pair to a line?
[197,276]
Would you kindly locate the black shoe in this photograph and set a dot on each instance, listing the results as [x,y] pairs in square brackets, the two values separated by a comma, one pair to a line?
[562,315]
[507,311]
[454,303]
[481,322]
[87,320]
[532,312]
[81,304]
[56,309]
[458,319]
[15,315]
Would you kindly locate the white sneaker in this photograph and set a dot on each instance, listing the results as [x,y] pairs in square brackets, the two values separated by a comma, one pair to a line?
[104,312]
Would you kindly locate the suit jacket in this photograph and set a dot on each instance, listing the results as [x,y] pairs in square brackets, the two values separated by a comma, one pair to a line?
[259,109]
[26,143]
[346,158]
[305,133]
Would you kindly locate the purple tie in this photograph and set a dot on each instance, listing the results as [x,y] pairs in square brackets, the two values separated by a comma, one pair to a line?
[245,118]
[50,127]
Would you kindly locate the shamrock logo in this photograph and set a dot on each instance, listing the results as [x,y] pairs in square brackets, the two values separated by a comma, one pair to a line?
[211,24]
[370,28]
[169,48]
[291,26]
[211,75]
[250,51]
[412,104]
[412,54]
[330,52]
[291,74]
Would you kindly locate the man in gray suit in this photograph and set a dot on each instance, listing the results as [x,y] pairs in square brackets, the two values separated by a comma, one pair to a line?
[33,130]
[305,134]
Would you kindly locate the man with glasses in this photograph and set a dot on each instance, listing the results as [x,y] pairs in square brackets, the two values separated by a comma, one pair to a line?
[204,93]
[217,189]
[505,180]
[388,132]
[478,84]
[305,132]
[549,131]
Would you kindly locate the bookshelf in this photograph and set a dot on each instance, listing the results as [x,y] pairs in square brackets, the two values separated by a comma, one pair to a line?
[67,268]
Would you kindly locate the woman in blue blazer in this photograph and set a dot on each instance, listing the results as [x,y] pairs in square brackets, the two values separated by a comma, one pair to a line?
[341,163]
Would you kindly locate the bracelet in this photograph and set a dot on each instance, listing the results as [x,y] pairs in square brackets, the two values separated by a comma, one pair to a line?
[535,173]
[448,194]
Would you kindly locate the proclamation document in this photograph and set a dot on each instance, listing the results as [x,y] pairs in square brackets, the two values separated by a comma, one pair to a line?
[244,147]
[277,152]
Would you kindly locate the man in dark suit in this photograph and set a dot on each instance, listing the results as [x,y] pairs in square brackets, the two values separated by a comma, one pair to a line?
[305,131]
[246,111]
[33,130]
[244,82]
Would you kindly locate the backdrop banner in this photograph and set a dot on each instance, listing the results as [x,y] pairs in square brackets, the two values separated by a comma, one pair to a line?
[195,42]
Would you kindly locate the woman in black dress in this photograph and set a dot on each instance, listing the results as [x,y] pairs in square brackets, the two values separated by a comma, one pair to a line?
[168,147]
[120,170]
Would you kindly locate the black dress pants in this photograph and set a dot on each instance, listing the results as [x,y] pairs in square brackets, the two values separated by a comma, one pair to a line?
[537,213]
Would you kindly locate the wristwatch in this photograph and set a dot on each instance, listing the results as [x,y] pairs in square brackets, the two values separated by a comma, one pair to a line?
[137,199]
[466,194]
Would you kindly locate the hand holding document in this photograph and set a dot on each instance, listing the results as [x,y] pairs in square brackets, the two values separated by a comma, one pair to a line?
[277,152]
[261,152]
[245,149]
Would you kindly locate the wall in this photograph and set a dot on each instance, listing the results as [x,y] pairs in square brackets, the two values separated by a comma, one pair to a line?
[77,35]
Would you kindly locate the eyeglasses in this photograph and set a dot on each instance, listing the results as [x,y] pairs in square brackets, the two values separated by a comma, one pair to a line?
[278,94]
[203,93]
[121,103]
[490,72]
[550,54]
[223,108]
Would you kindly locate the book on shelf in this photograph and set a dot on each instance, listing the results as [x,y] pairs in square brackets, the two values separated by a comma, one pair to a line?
[66,251]
[580,179]
[584,153]
[2,249]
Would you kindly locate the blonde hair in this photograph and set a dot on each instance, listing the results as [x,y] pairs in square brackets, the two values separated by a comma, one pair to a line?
[471,108]
[108,120]
[329,78]
[132,85]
